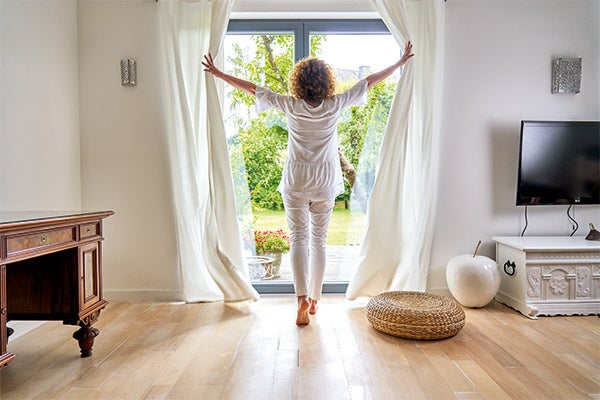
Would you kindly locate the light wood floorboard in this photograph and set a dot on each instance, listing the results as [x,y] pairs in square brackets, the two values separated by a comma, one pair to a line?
[255,351]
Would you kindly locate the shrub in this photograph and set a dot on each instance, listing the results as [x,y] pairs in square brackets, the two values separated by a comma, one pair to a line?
[271,241]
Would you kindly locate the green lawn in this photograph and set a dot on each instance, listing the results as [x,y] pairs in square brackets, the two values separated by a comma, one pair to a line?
[346,227]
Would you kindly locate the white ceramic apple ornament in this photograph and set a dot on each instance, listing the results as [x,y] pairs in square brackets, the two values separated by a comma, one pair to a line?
[473,280]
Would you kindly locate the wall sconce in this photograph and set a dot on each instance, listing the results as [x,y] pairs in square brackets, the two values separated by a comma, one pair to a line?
[566,75]
[128,72]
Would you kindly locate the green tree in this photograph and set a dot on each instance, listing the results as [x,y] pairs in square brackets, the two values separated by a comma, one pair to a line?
[262,138]
[263,147]
[360,130]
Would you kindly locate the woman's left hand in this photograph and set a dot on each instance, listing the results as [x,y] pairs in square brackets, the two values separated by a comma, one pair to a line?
[209,66]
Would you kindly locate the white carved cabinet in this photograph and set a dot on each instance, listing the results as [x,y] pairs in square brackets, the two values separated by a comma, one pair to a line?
[549,275]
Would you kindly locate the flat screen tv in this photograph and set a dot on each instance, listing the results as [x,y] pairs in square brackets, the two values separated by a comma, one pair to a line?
[559,163]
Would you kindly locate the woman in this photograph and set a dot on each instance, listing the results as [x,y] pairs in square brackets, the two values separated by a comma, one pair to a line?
[312,176]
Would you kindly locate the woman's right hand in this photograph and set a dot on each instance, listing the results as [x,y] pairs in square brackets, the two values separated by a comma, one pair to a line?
[407,54]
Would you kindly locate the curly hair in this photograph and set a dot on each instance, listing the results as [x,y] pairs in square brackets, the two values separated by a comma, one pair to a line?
[312,80]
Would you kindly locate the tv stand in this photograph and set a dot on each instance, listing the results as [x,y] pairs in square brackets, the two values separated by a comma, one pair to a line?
[549,275]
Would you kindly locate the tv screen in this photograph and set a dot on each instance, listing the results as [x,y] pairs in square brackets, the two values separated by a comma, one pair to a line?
[559,163]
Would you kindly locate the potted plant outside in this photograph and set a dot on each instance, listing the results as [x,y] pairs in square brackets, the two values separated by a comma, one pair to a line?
[273,244]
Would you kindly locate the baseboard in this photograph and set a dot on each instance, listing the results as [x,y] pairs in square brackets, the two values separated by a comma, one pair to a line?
[441,292]
[143,295]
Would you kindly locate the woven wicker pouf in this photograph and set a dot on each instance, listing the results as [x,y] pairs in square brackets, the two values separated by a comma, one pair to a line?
[415,315]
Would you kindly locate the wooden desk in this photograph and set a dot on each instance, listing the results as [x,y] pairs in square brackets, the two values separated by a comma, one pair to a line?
[51,269]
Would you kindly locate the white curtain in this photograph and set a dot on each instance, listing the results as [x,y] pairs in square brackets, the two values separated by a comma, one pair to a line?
[400,214]
[209,244]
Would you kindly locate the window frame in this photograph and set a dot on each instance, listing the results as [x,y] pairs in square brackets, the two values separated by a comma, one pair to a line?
[302,29]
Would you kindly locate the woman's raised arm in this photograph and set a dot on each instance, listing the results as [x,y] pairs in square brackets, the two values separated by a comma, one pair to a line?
[377,77]
[209,66]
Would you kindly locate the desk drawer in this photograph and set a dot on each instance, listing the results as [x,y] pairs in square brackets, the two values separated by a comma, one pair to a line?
[39,240]
[89,230]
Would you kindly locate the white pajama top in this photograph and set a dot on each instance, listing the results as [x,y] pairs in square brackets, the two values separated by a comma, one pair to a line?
[312,166]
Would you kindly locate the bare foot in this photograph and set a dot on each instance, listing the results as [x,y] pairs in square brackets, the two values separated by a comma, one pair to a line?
[302,318]
[312,309]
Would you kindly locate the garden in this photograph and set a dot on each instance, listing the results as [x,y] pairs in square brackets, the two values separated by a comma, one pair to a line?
[346,226]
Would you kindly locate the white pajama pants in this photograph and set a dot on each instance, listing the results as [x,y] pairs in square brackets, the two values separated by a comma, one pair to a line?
[308,220]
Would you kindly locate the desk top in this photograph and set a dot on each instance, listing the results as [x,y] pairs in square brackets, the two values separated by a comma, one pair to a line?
[12,219]
[548,243]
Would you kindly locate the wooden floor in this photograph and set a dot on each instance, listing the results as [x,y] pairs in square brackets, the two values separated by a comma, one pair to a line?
[255,351]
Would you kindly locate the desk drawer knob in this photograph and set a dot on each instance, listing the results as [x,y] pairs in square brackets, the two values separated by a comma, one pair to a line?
[43,239]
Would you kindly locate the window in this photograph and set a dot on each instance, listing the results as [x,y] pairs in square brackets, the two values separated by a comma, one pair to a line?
[264,52]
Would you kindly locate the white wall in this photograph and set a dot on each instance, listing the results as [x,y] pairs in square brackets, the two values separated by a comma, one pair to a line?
[124,148]
[497,72]
[39,114]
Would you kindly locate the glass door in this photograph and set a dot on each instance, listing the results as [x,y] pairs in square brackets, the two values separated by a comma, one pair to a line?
[354,56]
[264,52]
[257,145]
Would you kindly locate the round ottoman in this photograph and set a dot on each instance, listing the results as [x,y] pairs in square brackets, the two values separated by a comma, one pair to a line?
[415,315]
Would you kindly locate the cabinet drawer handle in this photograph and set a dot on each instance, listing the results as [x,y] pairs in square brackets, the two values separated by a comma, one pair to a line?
[509,267]
[2,311]
[43,239]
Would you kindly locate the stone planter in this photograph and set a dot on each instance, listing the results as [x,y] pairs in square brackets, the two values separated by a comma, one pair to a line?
[275,268]
[260,267]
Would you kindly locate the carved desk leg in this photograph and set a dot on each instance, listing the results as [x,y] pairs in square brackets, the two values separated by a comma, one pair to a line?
[86,334]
